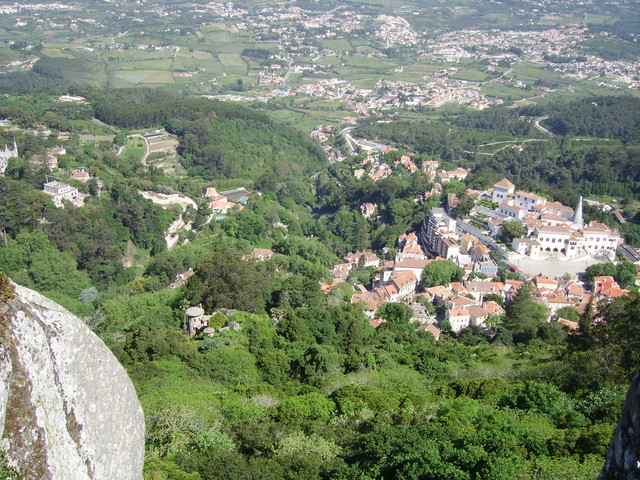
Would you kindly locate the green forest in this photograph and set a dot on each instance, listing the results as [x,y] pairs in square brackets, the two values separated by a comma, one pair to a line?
[301,386]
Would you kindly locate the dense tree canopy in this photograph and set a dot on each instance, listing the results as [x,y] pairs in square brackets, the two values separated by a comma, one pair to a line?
[440,272]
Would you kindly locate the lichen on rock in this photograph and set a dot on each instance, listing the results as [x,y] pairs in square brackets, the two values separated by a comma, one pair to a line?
[623,459]
[68,410]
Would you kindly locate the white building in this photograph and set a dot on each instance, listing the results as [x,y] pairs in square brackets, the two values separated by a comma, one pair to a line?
[5,154]
[459,318]
[502,190]
[512,211]
[529,201]
[60,191]
[596,239]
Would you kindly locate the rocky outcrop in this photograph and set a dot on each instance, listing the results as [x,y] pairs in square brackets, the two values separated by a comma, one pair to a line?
[623,459]
[68,410]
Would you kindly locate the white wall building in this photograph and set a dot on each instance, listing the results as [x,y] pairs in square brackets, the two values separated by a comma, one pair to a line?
[596,239]
[5,154]
[501,190]
[512,211]
[60,191]
[528,201]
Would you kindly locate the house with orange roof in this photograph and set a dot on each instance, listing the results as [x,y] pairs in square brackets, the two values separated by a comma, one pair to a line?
[528,201]
[181,278]
[458,174]
[477,315]
[80,174]
[467,242]
[370,259]
[572,326]
[432,329]
[376,322]
[341,270]
[574,291]
[493,308]
[262,253]
[512,284]
[513,211]
[556,301]
[370,302]
[439,295]
[607,287]
[405,282]
[430,167]
[327,286]
[480,289]
[460,302]
[457,288]
[368,209]
[545,283]
[219,203]
[415,265]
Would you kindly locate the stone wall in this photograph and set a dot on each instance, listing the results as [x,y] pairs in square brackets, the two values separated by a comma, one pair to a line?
[68,410]
[623,459]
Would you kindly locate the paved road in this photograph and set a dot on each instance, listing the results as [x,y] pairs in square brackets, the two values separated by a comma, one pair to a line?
[540,127]
[346,132]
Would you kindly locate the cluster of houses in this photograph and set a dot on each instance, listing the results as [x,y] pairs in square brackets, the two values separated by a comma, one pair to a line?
[473,302]
[464,302]
[49,159]
[375,166]
[397,279]
[57,190]
[549,227]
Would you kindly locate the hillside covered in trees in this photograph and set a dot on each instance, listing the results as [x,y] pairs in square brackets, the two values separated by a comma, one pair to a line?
[298,384]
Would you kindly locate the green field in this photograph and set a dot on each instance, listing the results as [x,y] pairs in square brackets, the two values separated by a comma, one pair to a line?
[329,60]
[340,45]
[372,63]
[56,52]
[124,78]
[231,60]
[151,64]
[470,75]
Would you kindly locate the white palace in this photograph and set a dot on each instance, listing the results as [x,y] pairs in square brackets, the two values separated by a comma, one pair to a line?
[553,227]
[5,154]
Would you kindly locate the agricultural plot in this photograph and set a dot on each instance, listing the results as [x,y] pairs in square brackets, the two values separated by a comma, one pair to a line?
[601,19]
[124,78]
[329,61]
[506,92]
[470,75]
[231,60]
[338,45]
[366,82]
[529,72]
[151,64]
[365,49]
[232,81]
[233,64]
[189,61]
[422,69]
[56,52]
[406,77]
[307,120]
[372,63]
[524,103]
